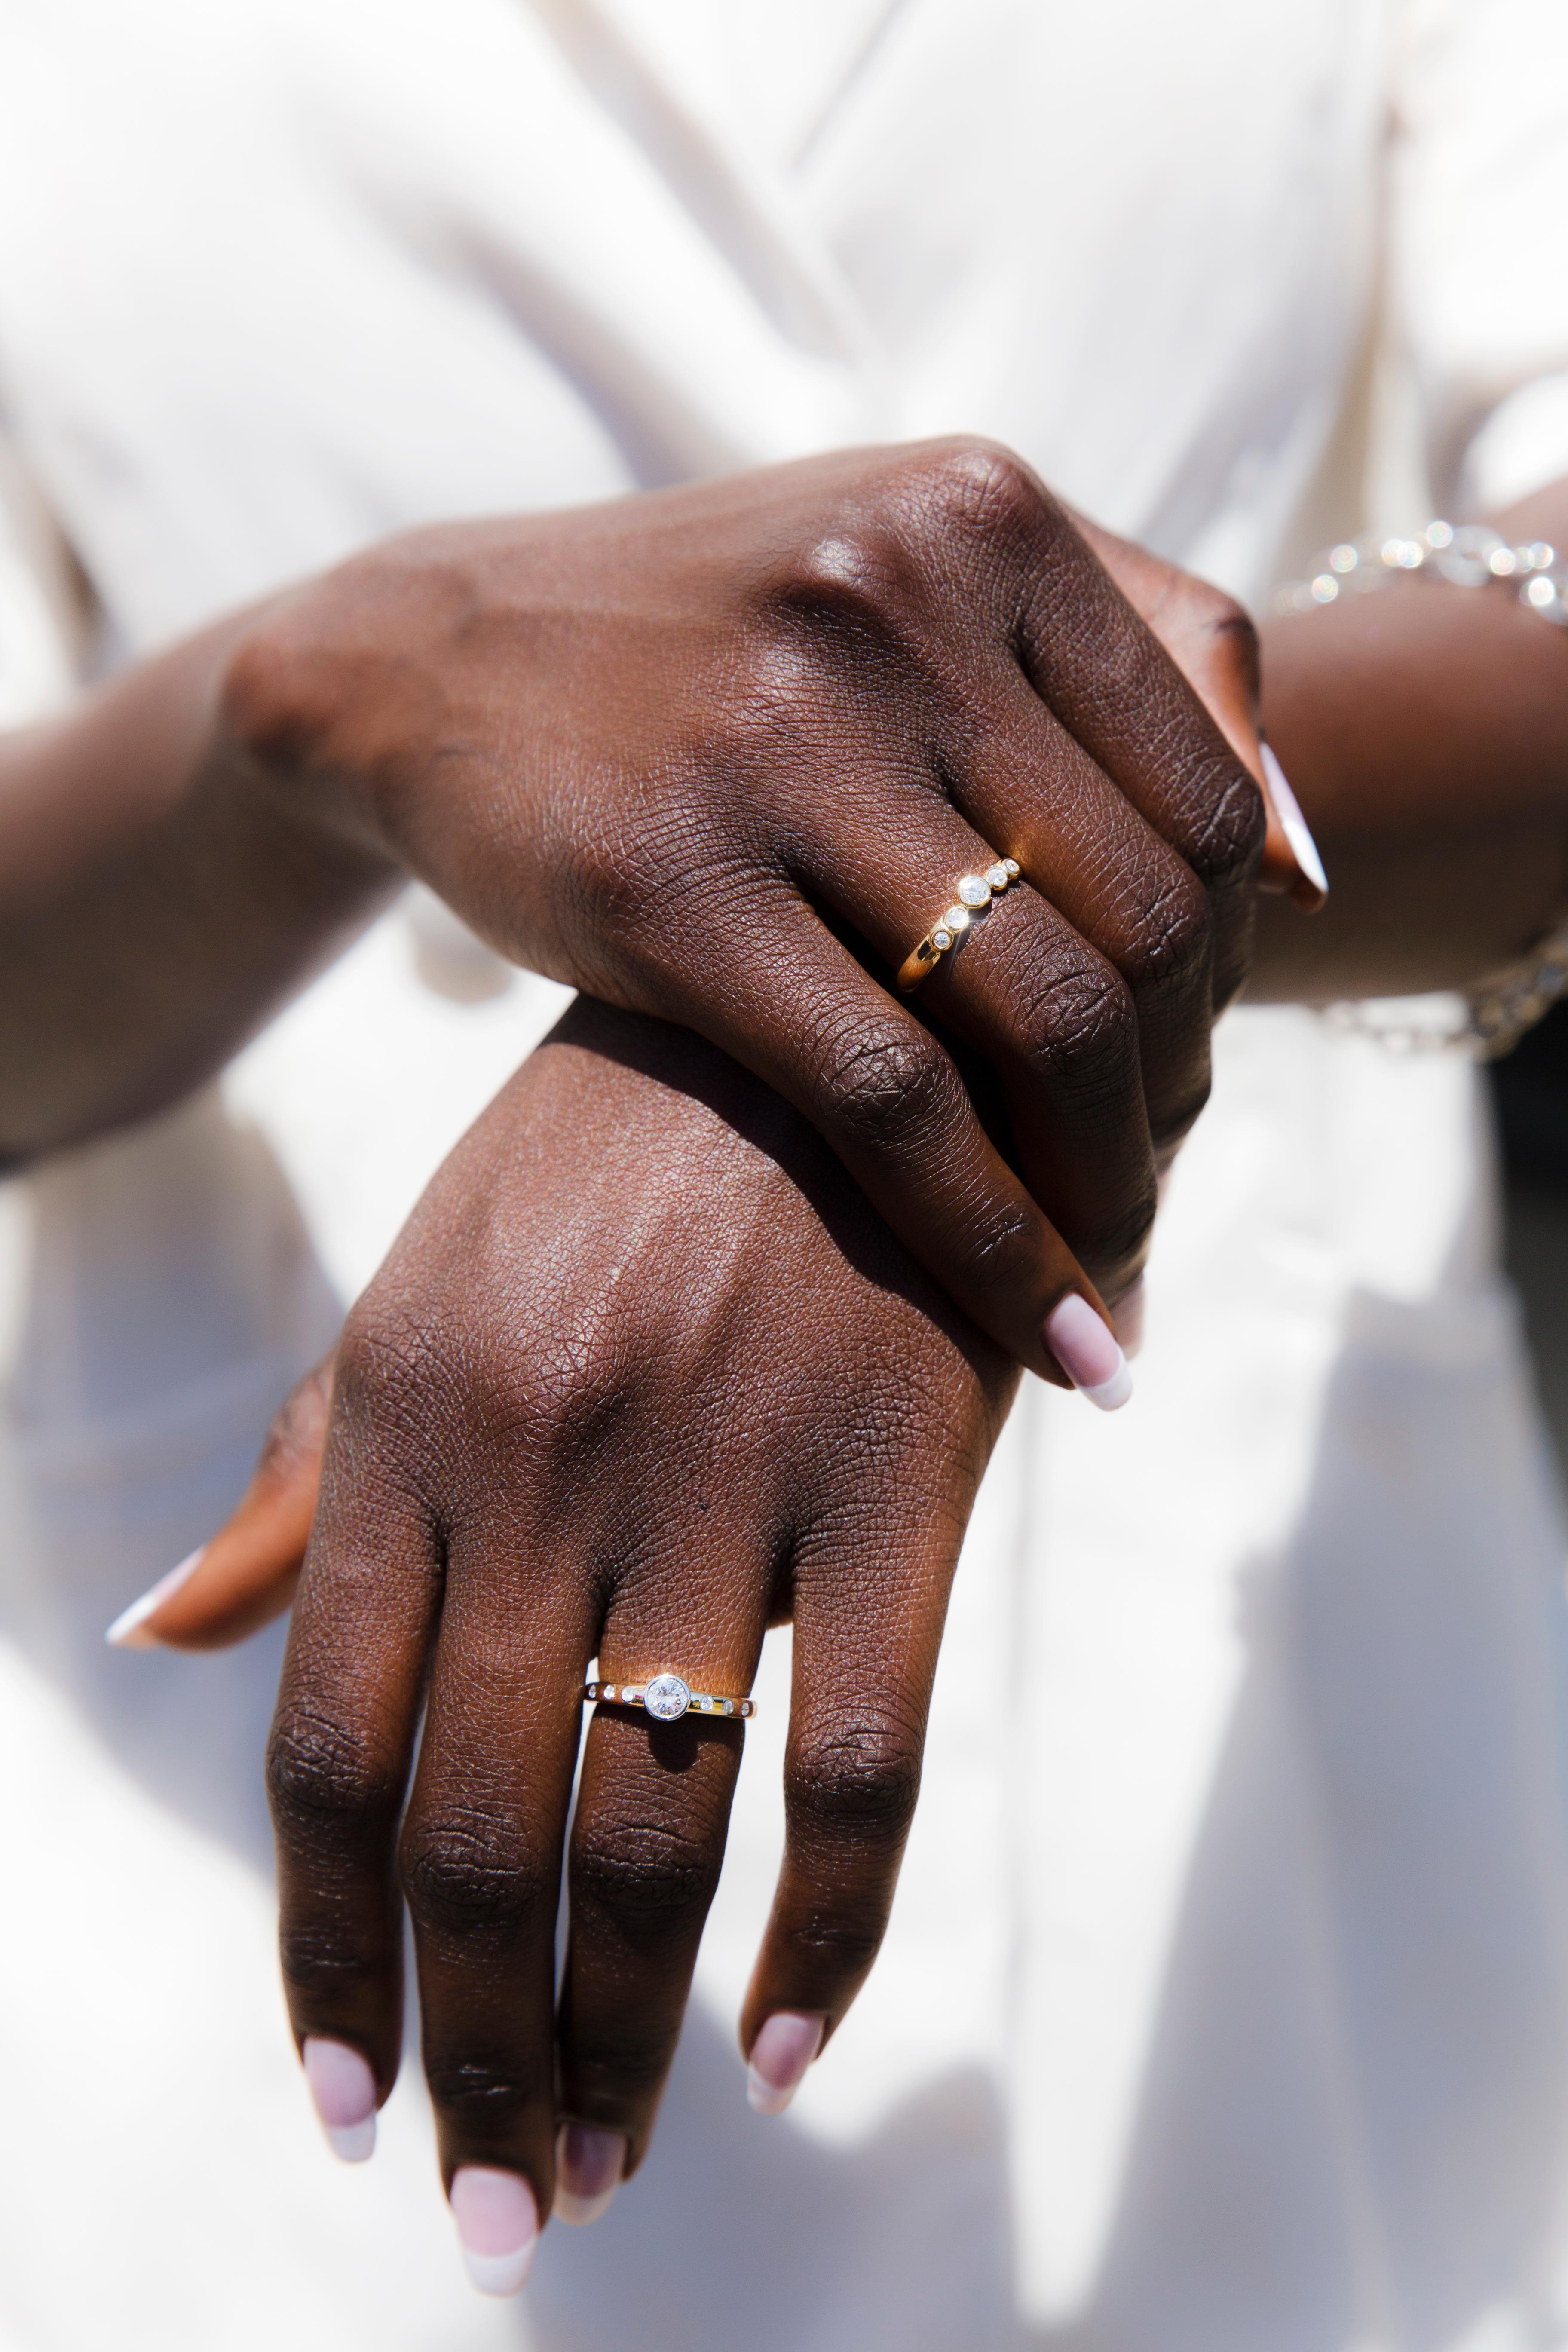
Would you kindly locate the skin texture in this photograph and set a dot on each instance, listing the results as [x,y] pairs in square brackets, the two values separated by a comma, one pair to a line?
[719,755]
[1425,730]
[646,1368]
[529,1466]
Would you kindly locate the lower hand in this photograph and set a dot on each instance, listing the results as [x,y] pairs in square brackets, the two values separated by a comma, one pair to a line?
[643,1374]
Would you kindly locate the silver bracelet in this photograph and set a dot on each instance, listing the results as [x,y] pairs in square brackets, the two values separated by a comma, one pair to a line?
[1470,555]
[1501,1007]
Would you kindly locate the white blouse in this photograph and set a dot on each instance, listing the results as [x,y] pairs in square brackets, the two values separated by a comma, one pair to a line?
[1226,2003]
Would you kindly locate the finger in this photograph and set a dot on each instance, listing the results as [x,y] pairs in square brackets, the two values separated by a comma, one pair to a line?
[342,1736]
[1214,647]
[480,1852]
[647,1838]
[1114,879]
[1043,1006]
[862,1680]
[246,1574]
[889,1100]
[1103,672]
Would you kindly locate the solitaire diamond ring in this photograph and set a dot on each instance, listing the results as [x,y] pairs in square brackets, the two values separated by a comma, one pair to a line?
[668,1697]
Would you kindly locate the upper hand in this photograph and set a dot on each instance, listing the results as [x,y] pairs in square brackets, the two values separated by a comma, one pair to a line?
[722,754]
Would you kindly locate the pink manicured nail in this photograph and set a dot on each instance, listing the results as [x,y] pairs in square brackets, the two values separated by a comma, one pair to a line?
[498,2227]
[588,2165]
[126,1634]
[1087,1351]
[781,2054]
[1293,824]
[343,2090]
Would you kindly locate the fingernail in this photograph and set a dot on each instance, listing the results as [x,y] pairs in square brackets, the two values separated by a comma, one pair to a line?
[1127,1318]
[343,2090]
[498,2227]
[126,1634]
[781,2054]
[588,2164]
[1293,825]
[1087,1351]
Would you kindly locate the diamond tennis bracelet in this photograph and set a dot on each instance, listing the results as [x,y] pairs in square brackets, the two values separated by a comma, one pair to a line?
[1503,1006]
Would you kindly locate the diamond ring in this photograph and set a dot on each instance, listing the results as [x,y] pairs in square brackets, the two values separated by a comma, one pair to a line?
[668,1697]
[975,891]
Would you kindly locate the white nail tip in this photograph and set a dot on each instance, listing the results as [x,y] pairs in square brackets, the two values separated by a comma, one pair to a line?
[126,1634]
[499,2274]
[581,2211]
[354,2143]
[767,2098]
[1111,1395]
[1293,824]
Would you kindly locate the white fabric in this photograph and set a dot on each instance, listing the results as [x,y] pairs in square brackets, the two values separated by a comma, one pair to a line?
[1226,2000]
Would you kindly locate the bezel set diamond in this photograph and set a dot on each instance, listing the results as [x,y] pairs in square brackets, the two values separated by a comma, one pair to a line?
[667,1697]
[973,894]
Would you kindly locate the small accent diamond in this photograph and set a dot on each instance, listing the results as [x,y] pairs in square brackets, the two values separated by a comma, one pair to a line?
[1014,868]
[956,919]
[940,939]
[998,876]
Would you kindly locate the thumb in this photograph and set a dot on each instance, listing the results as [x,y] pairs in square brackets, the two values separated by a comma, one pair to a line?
[246,1575]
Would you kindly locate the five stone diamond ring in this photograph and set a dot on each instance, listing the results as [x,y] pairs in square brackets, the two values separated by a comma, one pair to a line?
[975,891]
[668,1697]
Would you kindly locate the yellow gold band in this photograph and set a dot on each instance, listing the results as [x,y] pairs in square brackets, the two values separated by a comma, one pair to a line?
[975,892]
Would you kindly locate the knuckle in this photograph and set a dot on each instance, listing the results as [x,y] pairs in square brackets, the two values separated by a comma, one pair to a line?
[1170,938]
[839,1942]
[480,2091]
[852,570]
[974,485]
[329,1791]
[889,1086]
[468,1873]
[322,1960]
[620,2061]
[1081,1030]
[1229,835]
[645,1874]
[861,1781]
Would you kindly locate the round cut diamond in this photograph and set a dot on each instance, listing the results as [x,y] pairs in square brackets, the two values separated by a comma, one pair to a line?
[974,890]
[956,919]
[1014,870]
[668,1697]
[940,939]
[997,875]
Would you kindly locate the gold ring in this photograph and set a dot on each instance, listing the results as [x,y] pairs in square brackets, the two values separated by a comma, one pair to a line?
[975,891]
[668,1697]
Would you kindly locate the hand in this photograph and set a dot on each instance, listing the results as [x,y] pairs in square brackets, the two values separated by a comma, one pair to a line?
[643,1374]
[721,753]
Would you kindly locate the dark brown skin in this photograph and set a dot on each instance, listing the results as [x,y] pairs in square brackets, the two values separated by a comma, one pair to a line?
[1425,730]
[572,1418]
[645,1368]
[719,755]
